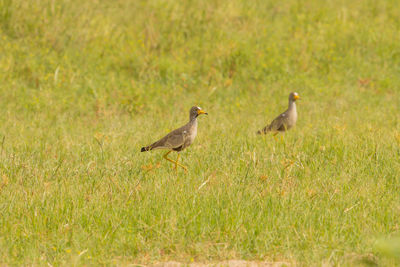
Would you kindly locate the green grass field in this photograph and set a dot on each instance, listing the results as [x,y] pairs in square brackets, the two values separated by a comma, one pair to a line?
[85,84]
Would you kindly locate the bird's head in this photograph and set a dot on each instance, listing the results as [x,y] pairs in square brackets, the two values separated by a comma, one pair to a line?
[294,96]
[196,111]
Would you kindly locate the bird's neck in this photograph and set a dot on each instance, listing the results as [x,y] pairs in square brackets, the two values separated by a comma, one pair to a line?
[193,120]
[192,124]
[292,105]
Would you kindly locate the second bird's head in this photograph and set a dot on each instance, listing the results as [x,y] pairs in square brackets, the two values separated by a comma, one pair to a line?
[293,96]
[196,111]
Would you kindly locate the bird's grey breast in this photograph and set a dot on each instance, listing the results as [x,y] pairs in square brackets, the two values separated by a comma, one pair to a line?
[190,133]
[291,117]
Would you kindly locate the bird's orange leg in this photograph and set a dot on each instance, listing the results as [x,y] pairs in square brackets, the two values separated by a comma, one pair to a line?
[175,162]
[276,140]
[178,164]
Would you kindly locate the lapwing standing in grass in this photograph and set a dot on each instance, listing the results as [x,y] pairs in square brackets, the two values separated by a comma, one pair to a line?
[284,121]
[178,139]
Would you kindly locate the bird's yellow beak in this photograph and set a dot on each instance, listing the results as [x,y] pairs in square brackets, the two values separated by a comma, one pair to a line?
[200,111]
[296,97]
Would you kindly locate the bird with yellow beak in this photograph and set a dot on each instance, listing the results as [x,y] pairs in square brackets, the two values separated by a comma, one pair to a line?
[285,120]
[178,139]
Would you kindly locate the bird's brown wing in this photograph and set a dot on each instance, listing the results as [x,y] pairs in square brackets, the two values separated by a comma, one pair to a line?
[278,124]
[174,139]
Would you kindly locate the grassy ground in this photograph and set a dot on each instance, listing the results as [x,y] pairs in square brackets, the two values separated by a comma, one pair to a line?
[85,84]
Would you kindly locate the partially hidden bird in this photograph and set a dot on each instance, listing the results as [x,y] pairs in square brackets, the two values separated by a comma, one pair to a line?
[178,139]
[285,120]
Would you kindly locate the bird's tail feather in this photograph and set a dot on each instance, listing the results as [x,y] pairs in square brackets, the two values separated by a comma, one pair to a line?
[264,130]
[145,148]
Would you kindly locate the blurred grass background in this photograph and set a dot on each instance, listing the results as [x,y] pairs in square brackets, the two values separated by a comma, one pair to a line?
[85,84]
